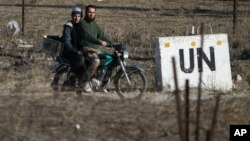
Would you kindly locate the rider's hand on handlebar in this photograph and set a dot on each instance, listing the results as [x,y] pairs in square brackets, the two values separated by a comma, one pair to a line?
[79,52]
[103,43]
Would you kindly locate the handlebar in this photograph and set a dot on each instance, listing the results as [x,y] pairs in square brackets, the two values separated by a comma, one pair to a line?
[118,46]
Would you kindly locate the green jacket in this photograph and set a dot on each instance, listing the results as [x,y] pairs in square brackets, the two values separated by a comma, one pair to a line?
[82,36]
[94,34]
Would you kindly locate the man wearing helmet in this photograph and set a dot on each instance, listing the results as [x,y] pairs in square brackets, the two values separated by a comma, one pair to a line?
[72,50]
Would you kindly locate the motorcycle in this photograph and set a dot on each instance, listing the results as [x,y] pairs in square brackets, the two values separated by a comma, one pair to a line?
[129,81]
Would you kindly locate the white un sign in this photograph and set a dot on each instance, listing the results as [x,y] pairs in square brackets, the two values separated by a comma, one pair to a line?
[189,60]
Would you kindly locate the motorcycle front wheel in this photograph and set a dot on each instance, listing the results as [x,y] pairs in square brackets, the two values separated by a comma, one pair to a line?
[136,88]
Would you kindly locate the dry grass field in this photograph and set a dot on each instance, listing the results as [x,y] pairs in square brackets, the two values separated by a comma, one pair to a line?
[31,111]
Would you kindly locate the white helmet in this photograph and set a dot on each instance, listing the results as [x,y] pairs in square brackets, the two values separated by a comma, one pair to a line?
[76,10]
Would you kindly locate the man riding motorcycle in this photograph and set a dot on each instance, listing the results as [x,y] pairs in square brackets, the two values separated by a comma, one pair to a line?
[72,52]
[91,49]
[82,41]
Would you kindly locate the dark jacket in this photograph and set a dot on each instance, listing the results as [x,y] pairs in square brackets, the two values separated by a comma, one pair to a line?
[69,38]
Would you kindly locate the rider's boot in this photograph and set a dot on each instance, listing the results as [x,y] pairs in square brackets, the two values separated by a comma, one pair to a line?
[54,83]
[70,82]
[95,83]
[86,87]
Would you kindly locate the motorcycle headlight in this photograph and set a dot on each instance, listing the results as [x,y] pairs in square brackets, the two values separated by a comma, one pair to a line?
[125,54]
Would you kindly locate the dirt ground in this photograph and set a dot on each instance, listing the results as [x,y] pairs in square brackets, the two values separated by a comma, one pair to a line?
[43,115]
[31,111]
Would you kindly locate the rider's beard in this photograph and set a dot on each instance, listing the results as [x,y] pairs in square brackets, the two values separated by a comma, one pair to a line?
[90,19]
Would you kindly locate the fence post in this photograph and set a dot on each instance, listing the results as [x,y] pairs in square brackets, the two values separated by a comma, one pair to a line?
[234,17]
[178,101]
[23,18]
[198,108]
[187,111]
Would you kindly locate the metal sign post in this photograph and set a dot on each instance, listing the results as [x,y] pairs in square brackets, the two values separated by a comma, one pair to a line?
[23,18]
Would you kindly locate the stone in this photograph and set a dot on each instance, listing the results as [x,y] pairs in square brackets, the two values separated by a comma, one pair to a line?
[238,78]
